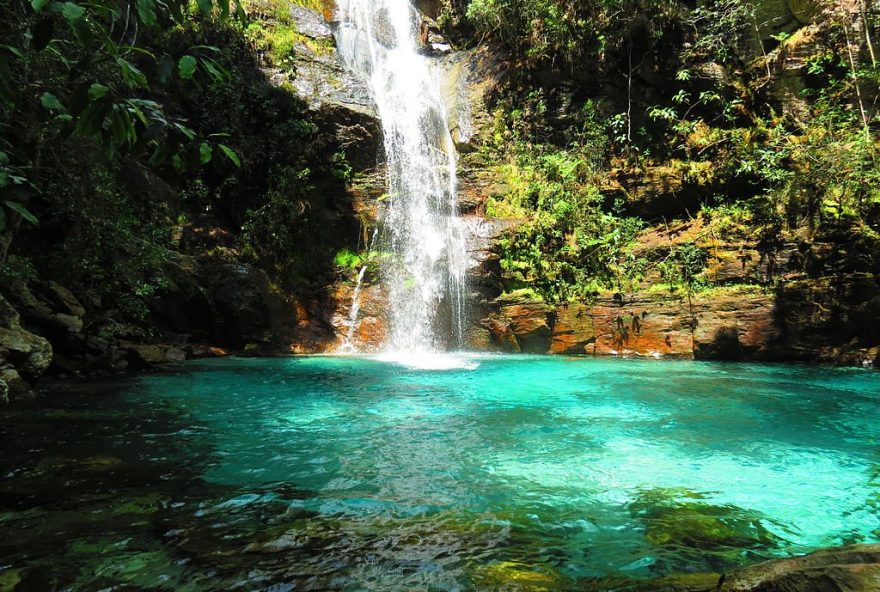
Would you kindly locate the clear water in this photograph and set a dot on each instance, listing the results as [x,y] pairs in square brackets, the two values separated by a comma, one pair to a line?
[326,473]
[425,274]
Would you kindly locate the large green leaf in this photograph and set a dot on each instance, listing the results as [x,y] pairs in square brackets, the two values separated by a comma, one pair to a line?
[218,73]
[205,153]
[187,67]
[51,103]
[92,118]
[39,5]
[21,211]
[205,6]
[72,11]
[97,91]
[147,12]
[132,74]
[230,154]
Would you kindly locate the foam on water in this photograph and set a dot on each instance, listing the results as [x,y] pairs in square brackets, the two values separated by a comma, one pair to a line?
[429,360]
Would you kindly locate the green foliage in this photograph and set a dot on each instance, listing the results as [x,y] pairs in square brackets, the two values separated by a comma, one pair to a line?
[121,139]
[570,245]
[683,267]
[273,32]
[348,259]
[567,32]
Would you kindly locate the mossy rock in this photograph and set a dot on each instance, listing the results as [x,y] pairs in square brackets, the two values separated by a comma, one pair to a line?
[511,576]
[686,582]
[678,518]
[9,579]
[141,505]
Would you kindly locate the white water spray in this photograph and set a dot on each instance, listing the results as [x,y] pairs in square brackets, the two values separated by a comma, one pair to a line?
[425,276]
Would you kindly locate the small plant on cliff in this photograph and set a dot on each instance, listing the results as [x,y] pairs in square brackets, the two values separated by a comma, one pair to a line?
[683,268]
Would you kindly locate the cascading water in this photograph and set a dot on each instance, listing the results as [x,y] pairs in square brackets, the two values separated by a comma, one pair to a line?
[425,274]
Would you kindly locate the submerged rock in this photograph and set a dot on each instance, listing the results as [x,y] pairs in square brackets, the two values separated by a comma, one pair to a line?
[683,519]
[852,568]
[510,576]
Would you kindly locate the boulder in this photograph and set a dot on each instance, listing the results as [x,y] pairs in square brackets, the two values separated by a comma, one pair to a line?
[573,331]
[468,80]
[644,324]
[852,568]
[522,324]
[23,355]
[735,325]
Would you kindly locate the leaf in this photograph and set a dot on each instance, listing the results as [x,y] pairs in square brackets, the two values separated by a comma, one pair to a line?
[147,12]
[4,157]
[132,74]
[205,6]
[187,67]
[4,179]
[92,118]
[205,153]
[51,103]
[189,133]
[39,5]
[230,154]
[13,50]
[218,73]
[97,91]
[121,127]
[72,11]
[21,211]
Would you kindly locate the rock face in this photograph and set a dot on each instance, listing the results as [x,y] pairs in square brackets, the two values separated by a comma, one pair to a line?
[329,88]
[727,324]
[24,356]
[853,568]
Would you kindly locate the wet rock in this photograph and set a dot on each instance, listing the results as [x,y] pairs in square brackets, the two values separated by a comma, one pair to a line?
[573,331]
[645,324]
[22,353]
[55,315]
[509,576]
[668,191]
[249,308]
[310,23]
[469,78]
[522,324]
[371,326]
[145,355]
[340,97]
[852,568]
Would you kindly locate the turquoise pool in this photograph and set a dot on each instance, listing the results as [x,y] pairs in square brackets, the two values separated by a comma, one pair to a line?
[354,473]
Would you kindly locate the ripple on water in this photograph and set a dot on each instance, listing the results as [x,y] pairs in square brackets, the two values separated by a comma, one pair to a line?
[372,473]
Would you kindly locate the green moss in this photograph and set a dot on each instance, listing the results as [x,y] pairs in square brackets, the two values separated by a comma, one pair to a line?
[680,518]
[272,30]
[510,576]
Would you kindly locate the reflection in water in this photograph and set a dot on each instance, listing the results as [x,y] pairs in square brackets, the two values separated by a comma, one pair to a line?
[356,473]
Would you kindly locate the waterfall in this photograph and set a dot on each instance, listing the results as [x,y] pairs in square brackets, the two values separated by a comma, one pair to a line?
[424,273]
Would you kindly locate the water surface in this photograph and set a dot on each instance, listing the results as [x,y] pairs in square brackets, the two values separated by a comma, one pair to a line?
[320,473]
